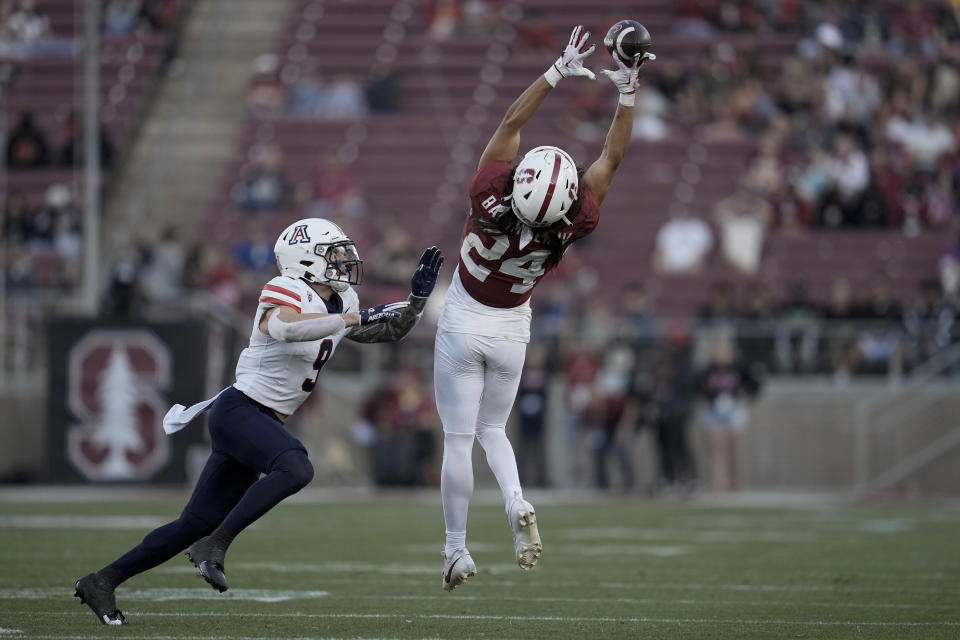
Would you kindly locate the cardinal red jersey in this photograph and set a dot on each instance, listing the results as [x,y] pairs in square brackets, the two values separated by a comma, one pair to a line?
[502,270]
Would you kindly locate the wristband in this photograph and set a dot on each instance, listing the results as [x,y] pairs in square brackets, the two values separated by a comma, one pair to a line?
[552,75]
[627,99]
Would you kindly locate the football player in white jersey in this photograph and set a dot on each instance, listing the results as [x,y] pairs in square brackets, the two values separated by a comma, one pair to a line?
[521,221]
[302,316]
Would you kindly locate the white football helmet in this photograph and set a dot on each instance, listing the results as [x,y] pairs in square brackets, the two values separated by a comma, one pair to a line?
[317,250]
[545,186]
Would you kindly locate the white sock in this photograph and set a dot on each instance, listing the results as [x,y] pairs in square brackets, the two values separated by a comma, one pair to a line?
[455,540]
[502,461]
[456,487]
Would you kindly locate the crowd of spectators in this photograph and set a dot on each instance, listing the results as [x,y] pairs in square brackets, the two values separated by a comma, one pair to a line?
[304,89]
[857,128]
[42,223]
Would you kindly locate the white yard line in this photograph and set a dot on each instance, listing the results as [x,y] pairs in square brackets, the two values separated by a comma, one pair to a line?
[270,595]
[63,521]
[564,619]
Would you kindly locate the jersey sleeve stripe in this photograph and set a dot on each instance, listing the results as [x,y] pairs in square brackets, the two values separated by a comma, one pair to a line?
[280,301]
[276,289]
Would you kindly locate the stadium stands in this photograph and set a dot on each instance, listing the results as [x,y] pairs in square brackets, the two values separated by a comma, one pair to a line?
[414,164]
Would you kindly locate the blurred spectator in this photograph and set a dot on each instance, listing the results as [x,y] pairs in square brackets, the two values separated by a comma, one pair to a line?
[345,98]
[879,328]
[925,139]
[531,407]
[121,17]
[743,218]
[395,257]
[307,95]
[254,250]
[442,19]
[264,185]
[478,17]
[207,268]
[382,90]
[162,271]
[727,387]
[674,387]
[613,416]
[586,113]
[266,93]
[949,267]
[721,304]
[27,26]
[161,15]
[929,323]
[851,96]
[336,189]
[849,178]
[798,331]
[73,154]
[683,243]
[399,424]
[636,317]
[839,338]
[535,33]
[124,297]
[17,223]
[649,111]
[27,146]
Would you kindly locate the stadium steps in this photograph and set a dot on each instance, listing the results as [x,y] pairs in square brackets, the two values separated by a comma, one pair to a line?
[198,110]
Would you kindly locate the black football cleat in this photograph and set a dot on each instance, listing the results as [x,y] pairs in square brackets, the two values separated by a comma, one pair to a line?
[207,557]
[99,597]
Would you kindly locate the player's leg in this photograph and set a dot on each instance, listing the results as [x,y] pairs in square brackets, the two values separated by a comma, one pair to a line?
[250,434]
[220,485]
[504,360]
[458,384]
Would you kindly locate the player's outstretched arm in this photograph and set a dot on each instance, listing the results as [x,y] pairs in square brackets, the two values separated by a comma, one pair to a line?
[600,174]
[505,143]
[288,325]
[421,285]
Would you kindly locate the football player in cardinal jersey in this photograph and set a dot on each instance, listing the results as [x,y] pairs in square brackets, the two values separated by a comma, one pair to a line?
[521,221]
[303,315]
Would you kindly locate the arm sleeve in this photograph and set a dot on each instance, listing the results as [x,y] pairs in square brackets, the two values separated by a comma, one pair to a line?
[394,329]
[304,330]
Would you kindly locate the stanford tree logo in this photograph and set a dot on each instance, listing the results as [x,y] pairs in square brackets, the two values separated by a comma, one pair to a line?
[114,382]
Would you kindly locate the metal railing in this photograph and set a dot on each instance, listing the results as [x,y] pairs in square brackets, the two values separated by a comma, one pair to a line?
[912,407]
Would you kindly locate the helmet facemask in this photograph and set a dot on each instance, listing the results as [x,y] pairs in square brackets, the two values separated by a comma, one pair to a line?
[341,266]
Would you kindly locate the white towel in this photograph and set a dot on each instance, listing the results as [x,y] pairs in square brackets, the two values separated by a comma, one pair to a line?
[180,416]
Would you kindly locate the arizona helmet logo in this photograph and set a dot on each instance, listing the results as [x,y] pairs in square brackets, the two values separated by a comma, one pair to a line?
[299,235]
[114,382]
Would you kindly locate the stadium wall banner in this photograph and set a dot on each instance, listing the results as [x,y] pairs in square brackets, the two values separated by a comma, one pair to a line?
[110,385]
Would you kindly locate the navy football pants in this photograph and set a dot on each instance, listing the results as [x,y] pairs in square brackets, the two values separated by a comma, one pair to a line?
[247,440]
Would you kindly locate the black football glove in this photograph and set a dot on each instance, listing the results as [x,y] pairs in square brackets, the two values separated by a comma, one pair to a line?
[425,277]
[382,313]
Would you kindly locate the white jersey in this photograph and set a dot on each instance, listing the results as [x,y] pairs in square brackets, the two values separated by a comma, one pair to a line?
[281,375]
[463,314]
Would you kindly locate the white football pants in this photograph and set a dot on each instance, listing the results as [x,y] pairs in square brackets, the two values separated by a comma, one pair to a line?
[475,379]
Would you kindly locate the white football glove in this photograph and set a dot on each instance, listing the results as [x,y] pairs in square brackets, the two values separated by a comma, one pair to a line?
[571,62]
[627,78]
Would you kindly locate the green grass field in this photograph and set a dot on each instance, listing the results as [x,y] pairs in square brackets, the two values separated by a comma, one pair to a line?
[620,569]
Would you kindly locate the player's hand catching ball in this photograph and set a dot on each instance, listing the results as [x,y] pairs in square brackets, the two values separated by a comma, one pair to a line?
[571,62]
[627,78]
[382,313]
[425,276]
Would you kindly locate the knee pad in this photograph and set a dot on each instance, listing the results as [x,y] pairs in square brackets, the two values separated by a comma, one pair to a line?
[296,465]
